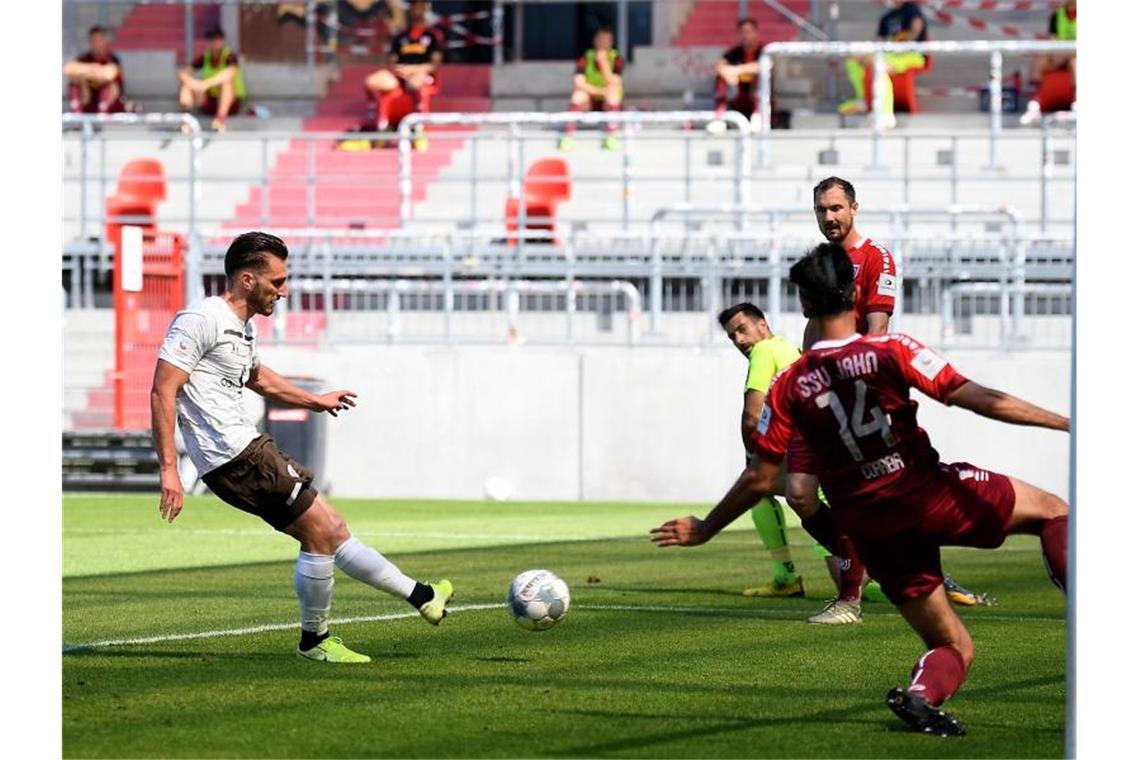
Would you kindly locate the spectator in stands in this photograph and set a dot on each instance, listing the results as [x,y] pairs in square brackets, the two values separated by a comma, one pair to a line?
[737,71]
[1062,26]
[95,79]
[597,86]
[903,23]
[218,89]
[414,67]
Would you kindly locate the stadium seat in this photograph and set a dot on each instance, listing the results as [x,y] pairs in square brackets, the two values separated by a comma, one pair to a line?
[547,184]
[906,101]
[142,186]
[1057,91]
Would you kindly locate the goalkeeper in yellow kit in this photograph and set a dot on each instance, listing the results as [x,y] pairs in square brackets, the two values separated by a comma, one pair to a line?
[767,354]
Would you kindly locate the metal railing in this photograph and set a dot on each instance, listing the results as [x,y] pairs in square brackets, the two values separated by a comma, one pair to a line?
[994,49]
[1006,288]
[627,119]
[654,167]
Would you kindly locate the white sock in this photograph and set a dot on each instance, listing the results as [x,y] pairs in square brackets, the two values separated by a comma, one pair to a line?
[369,566]
[313,581]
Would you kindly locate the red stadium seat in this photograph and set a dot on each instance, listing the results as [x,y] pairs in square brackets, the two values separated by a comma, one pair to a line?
[142,186]
[144,179]
[547,184]
[906,101]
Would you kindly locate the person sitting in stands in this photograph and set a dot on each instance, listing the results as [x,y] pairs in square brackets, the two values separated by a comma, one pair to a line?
[903,23]
[414,68]
[597,86]
[219,89]
[1062,26]
[95,79]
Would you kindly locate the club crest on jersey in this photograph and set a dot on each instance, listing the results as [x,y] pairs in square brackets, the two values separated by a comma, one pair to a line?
[856,268]
[927,363]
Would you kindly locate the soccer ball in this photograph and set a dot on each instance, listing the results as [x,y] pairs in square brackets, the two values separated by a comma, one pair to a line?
[538,599]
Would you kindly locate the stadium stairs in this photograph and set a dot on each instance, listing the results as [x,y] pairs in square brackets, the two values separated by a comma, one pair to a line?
[161,27]
[713,22]
[358,189]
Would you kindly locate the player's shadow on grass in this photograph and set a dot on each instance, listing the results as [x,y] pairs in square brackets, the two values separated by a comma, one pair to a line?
[508,660]
[724,725]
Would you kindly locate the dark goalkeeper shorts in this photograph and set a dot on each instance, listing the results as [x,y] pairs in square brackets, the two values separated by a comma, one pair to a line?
[264,481]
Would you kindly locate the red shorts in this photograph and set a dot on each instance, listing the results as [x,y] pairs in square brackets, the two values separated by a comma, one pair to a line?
[210,106]
[800,456]
[963,506]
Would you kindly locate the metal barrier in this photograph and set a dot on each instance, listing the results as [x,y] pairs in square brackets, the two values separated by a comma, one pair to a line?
[994,49]
[345,282]
[628,119]
[374,310]
[660,167]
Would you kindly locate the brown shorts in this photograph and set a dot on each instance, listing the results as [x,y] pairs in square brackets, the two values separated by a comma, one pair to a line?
[264,481]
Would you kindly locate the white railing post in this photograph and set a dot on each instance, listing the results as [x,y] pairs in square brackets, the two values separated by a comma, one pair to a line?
[878,107]
[497,32]
[765,105]
[995,105]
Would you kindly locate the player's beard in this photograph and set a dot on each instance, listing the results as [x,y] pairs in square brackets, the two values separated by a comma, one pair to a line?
[265,301]
[835,234]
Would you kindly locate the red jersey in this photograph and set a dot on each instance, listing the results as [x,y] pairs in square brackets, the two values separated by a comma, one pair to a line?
[877,278]
[850,401]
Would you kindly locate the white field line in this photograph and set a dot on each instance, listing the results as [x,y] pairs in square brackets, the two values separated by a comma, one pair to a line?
[253,533]
[737,611]
[546,538]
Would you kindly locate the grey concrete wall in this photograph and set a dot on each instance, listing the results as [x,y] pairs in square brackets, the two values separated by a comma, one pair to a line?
[607,423]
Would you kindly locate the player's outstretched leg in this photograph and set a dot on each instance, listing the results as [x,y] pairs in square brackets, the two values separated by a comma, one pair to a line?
[768,517]
[326,542]
[1042,514]
[940,671]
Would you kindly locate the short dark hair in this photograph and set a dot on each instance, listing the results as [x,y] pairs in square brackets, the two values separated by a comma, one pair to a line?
[251,250]
[830,182]
[747,21]
[96,30]
[745,308]
[606,28]
[215,33]
[826,280]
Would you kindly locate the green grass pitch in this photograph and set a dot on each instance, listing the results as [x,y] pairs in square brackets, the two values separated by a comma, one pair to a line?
[662,658]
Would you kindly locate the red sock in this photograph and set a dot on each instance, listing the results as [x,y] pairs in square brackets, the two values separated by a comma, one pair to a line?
[384,106]
[105,99]
[937,675]
[571,127]
[850,571]
[612,127]
[1055,548]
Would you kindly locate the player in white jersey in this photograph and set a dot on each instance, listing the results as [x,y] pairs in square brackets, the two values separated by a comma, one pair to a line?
[208,359]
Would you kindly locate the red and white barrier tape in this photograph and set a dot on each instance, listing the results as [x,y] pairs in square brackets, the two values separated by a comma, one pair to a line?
[997,6]
[935,7]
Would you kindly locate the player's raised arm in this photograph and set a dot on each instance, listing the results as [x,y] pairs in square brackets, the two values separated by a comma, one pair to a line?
[168,380]
[999,405]
[266,382]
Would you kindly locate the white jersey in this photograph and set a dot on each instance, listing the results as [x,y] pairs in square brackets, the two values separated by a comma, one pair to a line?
[216,348]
